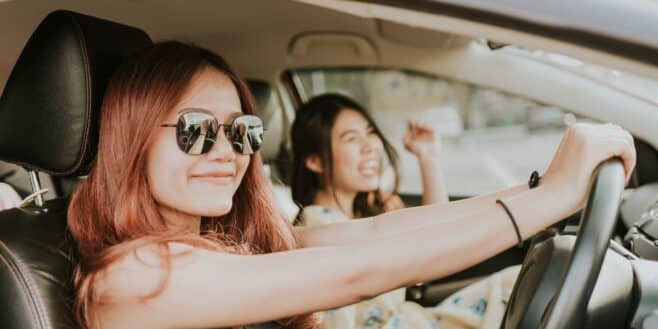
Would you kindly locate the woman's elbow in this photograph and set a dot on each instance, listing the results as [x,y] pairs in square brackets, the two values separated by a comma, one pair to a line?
[366,277]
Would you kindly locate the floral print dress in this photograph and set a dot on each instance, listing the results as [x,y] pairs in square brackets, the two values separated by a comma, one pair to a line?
[479,306]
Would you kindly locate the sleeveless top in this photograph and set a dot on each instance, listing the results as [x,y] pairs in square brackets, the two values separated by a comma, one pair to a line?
[314,215]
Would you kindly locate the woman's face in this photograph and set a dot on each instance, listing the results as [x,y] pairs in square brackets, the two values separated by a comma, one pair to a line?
[199,185]
[357,153]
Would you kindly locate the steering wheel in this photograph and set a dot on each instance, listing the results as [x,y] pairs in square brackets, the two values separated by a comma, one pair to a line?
[551,295]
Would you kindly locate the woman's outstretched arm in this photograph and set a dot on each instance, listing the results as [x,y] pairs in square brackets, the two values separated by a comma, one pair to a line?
[215,289]
[379,227]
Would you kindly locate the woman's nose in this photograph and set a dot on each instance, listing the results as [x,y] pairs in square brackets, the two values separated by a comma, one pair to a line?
[222,150]
[369,145]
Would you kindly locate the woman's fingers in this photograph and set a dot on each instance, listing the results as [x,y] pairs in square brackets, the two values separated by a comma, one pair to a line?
[417,129]
[632,158]
[628,156]
[583,148]
[619,143]
[623,147]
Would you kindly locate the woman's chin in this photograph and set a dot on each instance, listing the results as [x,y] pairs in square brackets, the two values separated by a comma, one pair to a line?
[368,185]
[213,210]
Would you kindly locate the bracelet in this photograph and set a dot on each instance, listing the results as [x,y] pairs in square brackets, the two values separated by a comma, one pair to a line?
[511,217]
[534,179]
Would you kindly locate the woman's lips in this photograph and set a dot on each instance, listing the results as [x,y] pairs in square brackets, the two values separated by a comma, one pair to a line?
[369,168]
[218,178]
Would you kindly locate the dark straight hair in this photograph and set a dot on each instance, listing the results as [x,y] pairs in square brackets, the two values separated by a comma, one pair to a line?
[311,135]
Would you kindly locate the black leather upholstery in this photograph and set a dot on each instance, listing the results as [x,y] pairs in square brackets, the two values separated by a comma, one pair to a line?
[48,121]
[49,108]
[35,268]
[647,160]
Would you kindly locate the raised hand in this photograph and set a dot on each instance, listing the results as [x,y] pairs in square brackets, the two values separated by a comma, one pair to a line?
[422,140]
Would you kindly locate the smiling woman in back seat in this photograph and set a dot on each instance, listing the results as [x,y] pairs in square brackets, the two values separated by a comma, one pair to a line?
[339,155]
[339,159]
[171,236]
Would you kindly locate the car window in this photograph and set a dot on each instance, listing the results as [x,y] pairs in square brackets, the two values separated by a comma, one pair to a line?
[490,139]
[19,179]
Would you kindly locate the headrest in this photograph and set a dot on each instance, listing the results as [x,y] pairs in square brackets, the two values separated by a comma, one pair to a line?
[269,110]
[49,110]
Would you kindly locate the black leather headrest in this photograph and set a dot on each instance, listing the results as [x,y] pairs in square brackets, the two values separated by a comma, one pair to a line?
[49,110]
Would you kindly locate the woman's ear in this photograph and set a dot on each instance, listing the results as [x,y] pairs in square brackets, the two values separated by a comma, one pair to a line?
[313,163]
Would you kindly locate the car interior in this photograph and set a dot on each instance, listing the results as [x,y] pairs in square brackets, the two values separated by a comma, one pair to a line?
[499,105]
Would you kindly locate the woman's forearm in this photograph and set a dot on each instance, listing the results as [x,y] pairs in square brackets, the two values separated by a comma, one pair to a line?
[385,226]
[362,270]
[450,245]
[434,189]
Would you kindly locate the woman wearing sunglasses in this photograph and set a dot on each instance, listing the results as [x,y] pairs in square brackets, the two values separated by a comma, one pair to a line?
[171,236]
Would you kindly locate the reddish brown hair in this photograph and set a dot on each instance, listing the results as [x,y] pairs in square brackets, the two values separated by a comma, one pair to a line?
[113,211]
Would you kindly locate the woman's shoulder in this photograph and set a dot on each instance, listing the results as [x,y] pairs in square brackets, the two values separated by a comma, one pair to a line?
[313,215]
[170,279]
[140,271]
[120,278]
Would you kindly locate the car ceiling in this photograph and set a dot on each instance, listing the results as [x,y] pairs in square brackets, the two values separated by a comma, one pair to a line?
[264,38]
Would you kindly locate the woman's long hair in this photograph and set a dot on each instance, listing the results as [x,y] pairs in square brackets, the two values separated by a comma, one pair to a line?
[311,136]
[113,212]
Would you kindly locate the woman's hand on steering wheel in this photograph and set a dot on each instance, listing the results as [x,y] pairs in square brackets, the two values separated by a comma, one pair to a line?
[583,148]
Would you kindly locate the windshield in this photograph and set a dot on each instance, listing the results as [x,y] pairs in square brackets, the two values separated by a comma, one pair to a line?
[631,84]
[487,135]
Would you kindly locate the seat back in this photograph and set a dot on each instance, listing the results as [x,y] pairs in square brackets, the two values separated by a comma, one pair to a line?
[49,118]
[274,152]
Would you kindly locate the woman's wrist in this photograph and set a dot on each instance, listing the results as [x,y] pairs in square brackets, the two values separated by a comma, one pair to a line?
[538,208]
[568,193]
[429,163]
[428,156]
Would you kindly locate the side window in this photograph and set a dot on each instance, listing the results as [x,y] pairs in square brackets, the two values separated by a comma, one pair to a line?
[490,139]
[19,179]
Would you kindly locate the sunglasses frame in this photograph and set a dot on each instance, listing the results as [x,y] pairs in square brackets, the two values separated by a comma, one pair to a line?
[209,134]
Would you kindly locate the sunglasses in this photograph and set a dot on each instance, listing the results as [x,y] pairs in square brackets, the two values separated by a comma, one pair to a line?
[196,133]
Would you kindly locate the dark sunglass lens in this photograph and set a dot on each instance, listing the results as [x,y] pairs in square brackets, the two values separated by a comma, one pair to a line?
[196,132]
[211,137]
[247,132]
